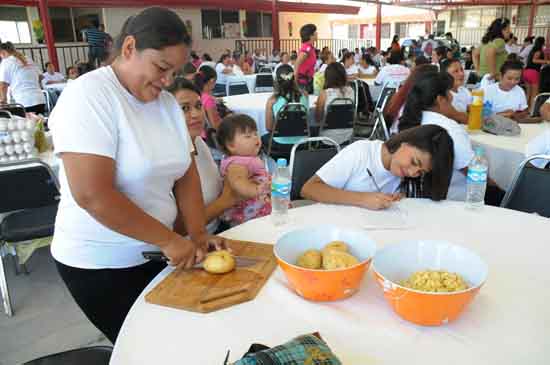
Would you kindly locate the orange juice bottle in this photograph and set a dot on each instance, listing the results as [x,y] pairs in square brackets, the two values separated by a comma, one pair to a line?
[476,111]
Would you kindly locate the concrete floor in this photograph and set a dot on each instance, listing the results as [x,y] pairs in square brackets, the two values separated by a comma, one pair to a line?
[46,319]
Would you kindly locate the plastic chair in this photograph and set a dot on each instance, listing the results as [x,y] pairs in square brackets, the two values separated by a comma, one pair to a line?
[305,163]
[540,99]
[290,121]
[237,88]
[219,90]
[265,69]
[97,355]
[530,189]
[30,192]
[340,114]
[264,83]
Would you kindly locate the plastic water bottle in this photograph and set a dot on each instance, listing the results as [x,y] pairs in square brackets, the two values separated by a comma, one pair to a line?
[487,110]
[477,180]
[280,193]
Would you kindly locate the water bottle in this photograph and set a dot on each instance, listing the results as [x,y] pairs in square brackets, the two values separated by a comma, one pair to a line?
[477,180]
[280,193]
[487,110]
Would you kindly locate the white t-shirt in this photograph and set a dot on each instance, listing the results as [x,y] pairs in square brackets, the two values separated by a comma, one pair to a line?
[392,74]
[357,58]
[222,78]
[211,180]
[151,147]
[462,99]
[371,70]
[348,169]
[512,48]
[463,151]
[352,70]
[323,67]
[505,100]
[525,53]
[47,77]
[209,64]
[22,80]
[539,146]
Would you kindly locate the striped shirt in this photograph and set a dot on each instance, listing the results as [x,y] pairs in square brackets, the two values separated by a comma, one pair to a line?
[95,37]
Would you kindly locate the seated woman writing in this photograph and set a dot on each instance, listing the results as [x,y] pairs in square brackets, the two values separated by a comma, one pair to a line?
[369,173]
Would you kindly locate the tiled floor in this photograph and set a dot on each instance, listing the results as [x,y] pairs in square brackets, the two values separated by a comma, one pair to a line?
[46,318]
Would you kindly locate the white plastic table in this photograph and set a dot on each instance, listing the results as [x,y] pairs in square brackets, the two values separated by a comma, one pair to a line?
[253,105]
[507,323]
[506,153]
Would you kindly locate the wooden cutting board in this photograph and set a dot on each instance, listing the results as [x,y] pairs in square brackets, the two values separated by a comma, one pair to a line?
[196,290]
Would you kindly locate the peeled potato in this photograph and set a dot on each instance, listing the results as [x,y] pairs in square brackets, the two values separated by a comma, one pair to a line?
[310,259]
[219,262]
[336,245]
[334,259]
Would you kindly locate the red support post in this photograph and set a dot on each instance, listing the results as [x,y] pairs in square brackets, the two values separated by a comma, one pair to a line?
[48,32]
[378,26]
[532,17]
[275,25]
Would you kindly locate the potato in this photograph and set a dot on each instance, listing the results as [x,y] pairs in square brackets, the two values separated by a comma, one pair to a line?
[219,262]
[334,259]
[336,245]
[310,259]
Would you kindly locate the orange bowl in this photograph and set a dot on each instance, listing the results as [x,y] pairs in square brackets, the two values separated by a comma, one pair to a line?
[397,262]
[324,285]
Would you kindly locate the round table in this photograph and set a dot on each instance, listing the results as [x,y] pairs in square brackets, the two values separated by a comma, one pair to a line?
[506,153]
[58,86]
[507,323]
[253,105]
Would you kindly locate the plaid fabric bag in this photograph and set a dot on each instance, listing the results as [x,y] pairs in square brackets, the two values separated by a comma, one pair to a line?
[303,350]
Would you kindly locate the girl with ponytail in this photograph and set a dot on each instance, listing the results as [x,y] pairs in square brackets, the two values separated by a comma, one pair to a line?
[205,81]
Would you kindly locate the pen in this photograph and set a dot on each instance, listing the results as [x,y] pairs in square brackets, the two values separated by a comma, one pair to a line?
[374,181]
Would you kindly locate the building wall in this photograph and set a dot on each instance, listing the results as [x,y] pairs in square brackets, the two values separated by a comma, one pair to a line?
[322,21]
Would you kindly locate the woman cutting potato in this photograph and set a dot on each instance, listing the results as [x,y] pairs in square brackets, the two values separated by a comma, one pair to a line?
[127,169]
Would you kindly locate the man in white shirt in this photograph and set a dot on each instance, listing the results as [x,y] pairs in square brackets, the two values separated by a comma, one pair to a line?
[395,73]
[51,76]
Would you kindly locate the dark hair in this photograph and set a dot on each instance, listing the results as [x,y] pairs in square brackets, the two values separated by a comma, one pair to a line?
[10,48]
[231,125]
[423,96]
[294,57]
[189,69]
[285,85]
[449,34]
[181,83]
[368,59]
[47,64]
[335,76]
[495,30]
[68,69]
[529,39]
[347,55]
[307,31]
[513,57]
[436,141]
[155,28]
[396,57]
[511,65]
[391,112]
[537,46]
[395,38]
[205,74]
[283,54]
[431,36]
[421,60]
[206,57]
[544,86]
[441,51]
[95,23]
[446,63]
[194,55]
[223,57]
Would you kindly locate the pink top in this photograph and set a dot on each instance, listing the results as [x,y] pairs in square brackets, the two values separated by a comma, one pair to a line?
[197,63]
[208,101]
[251,208]
[308,66]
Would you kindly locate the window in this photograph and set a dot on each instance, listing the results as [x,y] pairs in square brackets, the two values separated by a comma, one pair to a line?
[220,24]
[386,29]
[258,24]
[543,15]
[472,18]
[68,23]
[439,27]
[14,26]
[353,31]
[401,30]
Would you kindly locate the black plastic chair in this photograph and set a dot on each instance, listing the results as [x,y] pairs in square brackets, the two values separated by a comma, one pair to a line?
[30,192]
[14,109]
[264,83]
[265,69]
[304,163]
[237,88]
[220,90]
[290,121]
[97,355]
[539,101]
[530,189]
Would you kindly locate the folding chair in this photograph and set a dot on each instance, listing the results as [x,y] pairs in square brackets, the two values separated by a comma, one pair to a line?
[540,99]
[530,189]
[380,127]
[49,102]
[237,88]
[220,90]
[264,83]
[290,121]
[30,192]
[340,114]
[14,108]
[97,355]
[305,163]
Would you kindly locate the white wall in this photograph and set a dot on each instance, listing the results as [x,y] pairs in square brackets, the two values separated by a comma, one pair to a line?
[322,21]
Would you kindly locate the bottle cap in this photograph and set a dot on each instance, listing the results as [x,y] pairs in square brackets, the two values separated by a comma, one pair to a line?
[281,162]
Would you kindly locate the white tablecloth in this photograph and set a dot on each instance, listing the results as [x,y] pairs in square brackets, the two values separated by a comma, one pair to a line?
[253,105]
[507,323]
[58,87]
[249,79]
[506,153]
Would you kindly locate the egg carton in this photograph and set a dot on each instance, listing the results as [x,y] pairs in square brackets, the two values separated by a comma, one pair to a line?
[17,139]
